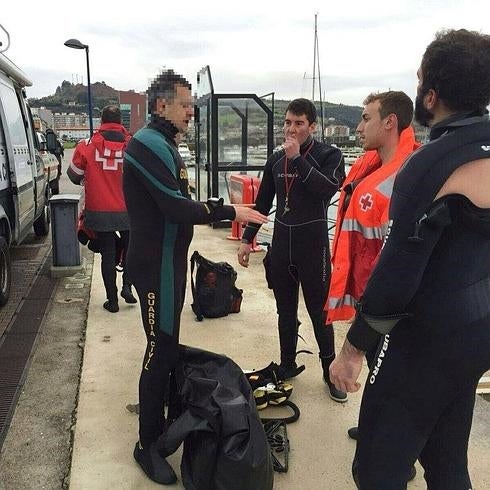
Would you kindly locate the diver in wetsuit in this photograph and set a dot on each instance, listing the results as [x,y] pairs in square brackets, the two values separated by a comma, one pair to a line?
[427,302]
[303,176]
[161,216]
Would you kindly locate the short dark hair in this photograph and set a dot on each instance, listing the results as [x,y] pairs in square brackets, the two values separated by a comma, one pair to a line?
[164,86]
[111,114]
[303,106]
[456,65]
[393,102]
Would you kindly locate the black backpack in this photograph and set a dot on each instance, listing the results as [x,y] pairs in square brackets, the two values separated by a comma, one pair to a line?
[214,293]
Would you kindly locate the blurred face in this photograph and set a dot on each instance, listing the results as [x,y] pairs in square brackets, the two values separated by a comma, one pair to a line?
[371,128]
[178,111]
[422,115]
[298,127]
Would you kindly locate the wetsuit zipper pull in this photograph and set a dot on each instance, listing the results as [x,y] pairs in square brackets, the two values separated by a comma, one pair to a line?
[416,236]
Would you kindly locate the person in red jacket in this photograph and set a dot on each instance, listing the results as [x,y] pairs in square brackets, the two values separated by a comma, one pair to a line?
[362,218]
[97,164]
[386,134]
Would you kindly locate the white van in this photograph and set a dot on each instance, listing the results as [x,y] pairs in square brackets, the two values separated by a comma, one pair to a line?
[24,177]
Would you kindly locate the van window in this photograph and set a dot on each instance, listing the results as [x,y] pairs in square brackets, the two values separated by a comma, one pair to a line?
[13,115]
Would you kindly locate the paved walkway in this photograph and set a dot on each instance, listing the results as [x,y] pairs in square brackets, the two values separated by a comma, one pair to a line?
[321,452]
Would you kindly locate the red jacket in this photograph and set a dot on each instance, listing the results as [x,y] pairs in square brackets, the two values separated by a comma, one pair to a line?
[98,162]
[362,226]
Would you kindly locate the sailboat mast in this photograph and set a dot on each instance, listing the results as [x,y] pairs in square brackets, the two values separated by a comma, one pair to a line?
[320,91]
[315,42]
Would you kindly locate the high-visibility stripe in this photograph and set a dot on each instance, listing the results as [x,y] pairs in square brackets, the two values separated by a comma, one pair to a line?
[76,170]
[347,300]
[369,232]
[386,186]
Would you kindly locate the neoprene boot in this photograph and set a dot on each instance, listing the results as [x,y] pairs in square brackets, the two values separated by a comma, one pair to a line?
[287,370]
[335,394]
[111,306]
[155,466]
[127,294]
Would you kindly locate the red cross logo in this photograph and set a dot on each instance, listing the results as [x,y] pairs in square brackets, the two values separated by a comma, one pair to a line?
[366,202]
[109,160]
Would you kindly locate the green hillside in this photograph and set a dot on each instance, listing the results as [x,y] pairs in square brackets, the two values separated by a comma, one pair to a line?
[73,98]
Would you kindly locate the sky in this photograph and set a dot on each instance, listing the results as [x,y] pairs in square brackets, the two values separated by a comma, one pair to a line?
[251,46]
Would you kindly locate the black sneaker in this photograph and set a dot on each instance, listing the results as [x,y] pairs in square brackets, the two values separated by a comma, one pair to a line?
[155,467]
[353,433]
[335,394]
[111,306]
[127,294]
[287,371]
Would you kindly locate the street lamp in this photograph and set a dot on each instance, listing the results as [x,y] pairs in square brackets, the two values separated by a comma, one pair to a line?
[76,44]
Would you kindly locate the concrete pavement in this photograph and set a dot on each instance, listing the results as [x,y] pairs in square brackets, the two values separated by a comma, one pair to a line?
[321,452]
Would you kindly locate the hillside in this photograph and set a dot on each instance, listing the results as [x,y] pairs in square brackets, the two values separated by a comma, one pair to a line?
[343,114]
[73,98]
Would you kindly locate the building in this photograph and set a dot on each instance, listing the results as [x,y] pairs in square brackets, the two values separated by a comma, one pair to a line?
[73,133]
[337,130]
[133,110]
[70,120]
[45,115]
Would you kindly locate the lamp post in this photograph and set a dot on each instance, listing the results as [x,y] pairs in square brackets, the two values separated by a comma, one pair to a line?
[76,44]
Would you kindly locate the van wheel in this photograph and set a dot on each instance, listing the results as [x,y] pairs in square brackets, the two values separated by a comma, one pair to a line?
[41,225]
[5,271]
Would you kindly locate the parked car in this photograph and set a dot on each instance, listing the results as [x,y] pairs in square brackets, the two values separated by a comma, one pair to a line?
[52,166]
[186,154]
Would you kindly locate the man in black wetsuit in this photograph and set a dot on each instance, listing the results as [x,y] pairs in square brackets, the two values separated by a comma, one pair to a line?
[161,216]
[303,176]
[427,303]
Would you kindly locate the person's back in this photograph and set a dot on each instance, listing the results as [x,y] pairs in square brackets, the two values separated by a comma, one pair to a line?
[98,161]
[457,271]
[97,164]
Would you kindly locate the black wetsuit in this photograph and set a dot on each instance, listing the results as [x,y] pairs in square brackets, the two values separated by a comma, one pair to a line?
[300,250]
[433,279]
[161,216]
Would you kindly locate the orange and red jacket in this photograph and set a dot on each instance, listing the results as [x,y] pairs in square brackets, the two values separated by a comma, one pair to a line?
[361,226]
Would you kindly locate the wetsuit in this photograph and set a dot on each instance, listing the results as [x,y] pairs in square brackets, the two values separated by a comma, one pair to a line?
[300,251]
[161,216]
[430,294]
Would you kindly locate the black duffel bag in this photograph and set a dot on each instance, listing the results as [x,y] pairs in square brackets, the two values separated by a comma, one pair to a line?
[213,412]
[214,293]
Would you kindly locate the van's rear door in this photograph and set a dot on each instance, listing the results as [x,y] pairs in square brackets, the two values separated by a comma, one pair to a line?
[19,155]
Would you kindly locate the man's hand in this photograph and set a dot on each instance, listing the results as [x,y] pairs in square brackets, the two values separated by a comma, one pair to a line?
[345,369]
[245,214]
[244,254]
[291,146]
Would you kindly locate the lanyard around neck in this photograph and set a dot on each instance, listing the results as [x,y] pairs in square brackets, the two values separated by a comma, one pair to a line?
[289,183]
